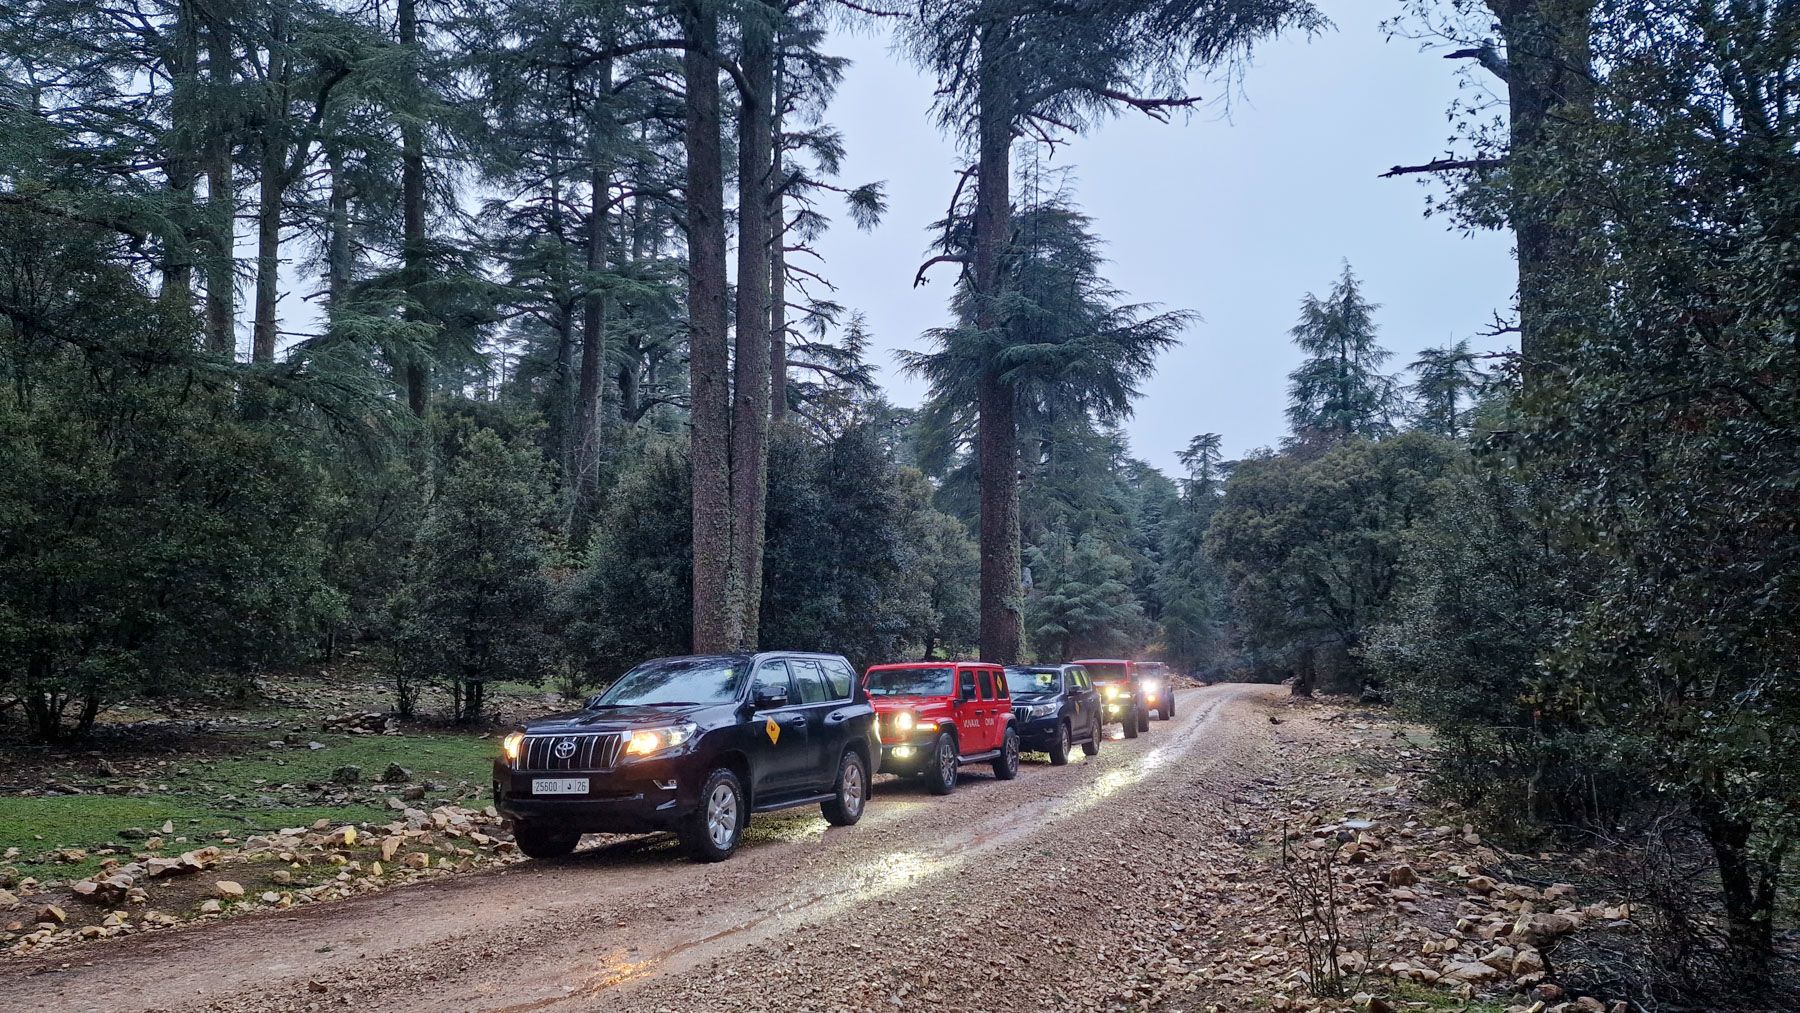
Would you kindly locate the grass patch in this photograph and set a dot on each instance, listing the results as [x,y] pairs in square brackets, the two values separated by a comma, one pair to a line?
[1436,999]
[260,789]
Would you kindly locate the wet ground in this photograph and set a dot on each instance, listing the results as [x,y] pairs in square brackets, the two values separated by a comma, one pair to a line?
[1004,895]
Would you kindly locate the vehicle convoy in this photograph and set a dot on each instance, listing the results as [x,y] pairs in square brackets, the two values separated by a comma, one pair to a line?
[936,716]
[1123,693]
[1159,687]
[694,745]
[1055,707]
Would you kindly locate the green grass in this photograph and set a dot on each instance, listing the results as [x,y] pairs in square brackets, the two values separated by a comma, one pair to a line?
[1434,999]
[260,789]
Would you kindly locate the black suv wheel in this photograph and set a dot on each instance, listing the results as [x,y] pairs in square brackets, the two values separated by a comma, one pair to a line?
[713,830]
[1059,750]
[852,791]
[1092,746]
[1130,722]
[1006,765]
[940,768]
[544,842]
[1165,709]
[1143,719]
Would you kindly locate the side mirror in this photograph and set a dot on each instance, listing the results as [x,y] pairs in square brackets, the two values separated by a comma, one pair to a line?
[768,697]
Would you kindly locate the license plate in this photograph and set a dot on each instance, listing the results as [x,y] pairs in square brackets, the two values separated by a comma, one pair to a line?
[559,786]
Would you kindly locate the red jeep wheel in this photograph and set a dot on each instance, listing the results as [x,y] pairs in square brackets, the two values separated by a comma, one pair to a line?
[940,772]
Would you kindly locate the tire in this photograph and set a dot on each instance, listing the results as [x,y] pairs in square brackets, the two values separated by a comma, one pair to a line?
[1143,719]
[1130,723]
[1092,746]
[1006,765]
[543,842]
[1059,750]
[852,791]
[716,826]
[1167,710]
[940,774]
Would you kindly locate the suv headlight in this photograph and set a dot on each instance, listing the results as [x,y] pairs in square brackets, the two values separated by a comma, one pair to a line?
[1112,692]
[904,722]
[510,746]
[1040,710]
[650,741]
[1152,687]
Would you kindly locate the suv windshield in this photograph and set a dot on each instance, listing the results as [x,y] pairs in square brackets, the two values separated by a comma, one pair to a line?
[1101,671]
[676,681]
[935,681]
[1029,681]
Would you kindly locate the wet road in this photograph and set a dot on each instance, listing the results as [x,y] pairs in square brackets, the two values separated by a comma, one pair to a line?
[630,922]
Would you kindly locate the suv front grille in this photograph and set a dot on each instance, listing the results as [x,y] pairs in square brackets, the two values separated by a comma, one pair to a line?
[591,751]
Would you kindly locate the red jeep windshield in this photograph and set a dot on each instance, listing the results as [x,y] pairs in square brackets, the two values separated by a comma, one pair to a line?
[1102,672]
[933,681]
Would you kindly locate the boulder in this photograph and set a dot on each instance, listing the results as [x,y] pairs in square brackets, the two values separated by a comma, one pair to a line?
[210,906]
[8,899]
[1537,929]
[1527,961]
[229,889]
[1471,973]
[396,774]
[50,914]
[1402,875]
[1500,958]
[349,773]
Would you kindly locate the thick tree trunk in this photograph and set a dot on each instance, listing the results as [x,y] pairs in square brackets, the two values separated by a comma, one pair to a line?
[718,617]
[588,409]
[1747,884]
[338,265]
[413,252]
[750,396]
[997,445]
[187,125]
[270,188]
[1549,78]
[221,195]
[777,259]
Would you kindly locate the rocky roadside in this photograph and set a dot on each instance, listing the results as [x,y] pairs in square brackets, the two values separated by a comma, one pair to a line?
[1171,896]
[155,886]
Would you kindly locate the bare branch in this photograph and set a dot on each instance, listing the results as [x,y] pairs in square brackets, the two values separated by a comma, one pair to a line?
[1445,165]
[942,258]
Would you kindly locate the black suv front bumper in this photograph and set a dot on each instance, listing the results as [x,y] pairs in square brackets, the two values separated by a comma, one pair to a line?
[643,798]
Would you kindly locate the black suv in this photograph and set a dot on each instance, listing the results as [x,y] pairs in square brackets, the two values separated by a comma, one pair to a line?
[1054,707]
[694,745]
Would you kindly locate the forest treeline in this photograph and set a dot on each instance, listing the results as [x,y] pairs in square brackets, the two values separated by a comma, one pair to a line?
[490,339]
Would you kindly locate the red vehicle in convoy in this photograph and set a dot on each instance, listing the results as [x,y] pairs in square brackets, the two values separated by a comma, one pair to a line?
[933,717]
[1128,693]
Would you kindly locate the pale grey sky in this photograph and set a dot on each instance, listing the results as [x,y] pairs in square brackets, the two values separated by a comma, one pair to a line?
[1234,217]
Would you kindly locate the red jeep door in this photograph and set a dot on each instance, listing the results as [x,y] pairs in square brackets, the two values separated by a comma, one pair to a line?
[970,736]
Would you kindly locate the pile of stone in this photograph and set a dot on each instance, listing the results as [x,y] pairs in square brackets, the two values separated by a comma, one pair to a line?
[362,723]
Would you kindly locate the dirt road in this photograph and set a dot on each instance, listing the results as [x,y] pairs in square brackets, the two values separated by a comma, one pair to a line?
[1042,893]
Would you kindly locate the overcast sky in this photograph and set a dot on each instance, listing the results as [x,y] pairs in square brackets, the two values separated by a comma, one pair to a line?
[1233,216]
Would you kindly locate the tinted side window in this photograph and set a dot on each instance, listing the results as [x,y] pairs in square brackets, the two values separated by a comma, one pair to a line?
[839,677]
[987,685]
[1001,690]
[809,679]
[771,674]
[968,684]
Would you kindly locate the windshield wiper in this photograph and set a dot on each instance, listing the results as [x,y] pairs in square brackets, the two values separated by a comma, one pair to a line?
[672,703]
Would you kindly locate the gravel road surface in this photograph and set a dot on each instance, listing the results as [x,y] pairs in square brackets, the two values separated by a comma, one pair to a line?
[1063,889]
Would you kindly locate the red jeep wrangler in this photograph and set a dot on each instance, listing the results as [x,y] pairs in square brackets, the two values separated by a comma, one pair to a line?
[934,717]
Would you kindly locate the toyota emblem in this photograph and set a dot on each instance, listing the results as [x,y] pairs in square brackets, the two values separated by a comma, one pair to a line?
[565,748]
